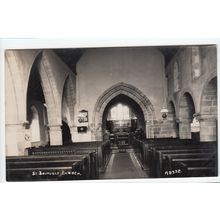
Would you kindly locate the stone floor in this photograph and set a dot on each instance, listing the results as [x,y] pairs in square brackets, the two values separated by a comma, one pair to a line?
[124,165]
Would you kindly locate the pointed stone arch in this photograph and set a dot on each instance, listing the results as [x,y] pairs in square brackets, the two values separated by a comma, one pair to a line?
[50,91]
[133,93]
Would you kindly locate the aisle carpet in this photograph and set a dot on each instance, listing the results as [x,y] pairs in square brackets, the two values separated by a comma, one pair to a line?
[124,165]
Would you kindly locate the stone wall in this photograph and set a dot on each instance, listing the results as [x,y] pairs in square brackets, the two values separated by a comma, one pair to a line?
[197,66]
[100,69]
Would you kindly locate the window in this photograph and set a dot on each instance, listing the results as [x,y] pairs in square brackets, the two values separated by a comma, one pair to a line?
[120,112]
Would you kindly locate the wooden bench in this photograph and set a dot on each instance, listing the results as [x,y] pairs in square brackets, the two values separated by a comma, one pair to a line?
[57,150]
[198,159]
[195,167]
[143,147]
[102,150]
[158,161]
[200,147]
[99,152]
[146,150]
[52,168]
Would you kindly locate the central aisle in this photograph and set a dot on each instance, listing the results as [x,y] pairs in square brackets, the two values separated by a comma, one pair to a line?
[124,165]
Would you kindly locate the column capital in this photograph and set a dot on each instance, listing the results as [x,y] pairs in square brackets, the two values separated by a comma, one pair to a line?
[53,127]
[206,117]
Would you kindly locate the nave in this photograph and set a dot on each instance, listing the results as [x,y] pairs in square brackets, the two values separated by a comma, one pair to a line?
[124,165]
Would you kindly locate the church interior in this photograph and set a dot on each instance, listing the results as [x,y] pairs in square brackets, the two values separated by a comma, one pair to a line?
[111,113]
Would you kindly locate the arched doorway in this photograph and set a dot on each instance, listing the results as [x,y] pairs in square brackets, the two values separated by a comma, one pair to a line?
[130,96]
[186,114]
[208,121]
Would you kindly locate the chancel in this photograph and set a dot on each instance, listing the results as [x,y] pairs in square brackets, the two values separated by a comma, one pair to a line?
[111,113]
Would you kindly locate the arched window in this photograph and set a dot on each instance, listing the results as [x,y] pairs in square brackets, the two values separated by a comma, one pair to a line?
[120,112]
[35,126]
[176,77]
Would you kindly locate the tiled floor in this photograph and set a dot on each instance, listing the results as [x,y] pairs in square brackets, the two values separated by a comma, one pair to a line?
[124,165]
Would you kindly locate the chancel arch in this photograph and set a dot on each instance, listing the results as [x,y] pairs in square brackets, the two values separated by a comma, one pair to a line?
[134,94]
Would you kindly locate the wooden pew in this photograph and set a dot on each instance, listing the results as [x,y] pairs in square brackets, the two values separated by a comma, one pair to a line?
[200,147]
[159,162]
[52,168]
[143,147]
[55,151]
[147,150]
[59,150]
[167,164]
[195,167]
[99,153]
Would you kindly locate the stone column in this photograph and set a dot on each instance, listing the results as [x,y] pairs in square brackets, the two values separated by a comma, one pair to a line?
[74,133]
[55,134]
[17,138]
[149,129]
[98,132]
[184,129]
[208,128]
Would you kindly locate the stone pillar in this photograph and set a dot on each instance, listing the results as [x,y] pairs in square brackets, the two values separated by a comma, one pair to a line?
[17,138]
[208,128]
[184,129]
[98,131]
[149,129]
[74,133]
[55,134]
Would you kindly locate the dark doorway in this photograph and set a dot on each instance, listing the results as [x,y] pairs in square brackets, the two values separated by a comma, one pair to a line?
[66,135]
